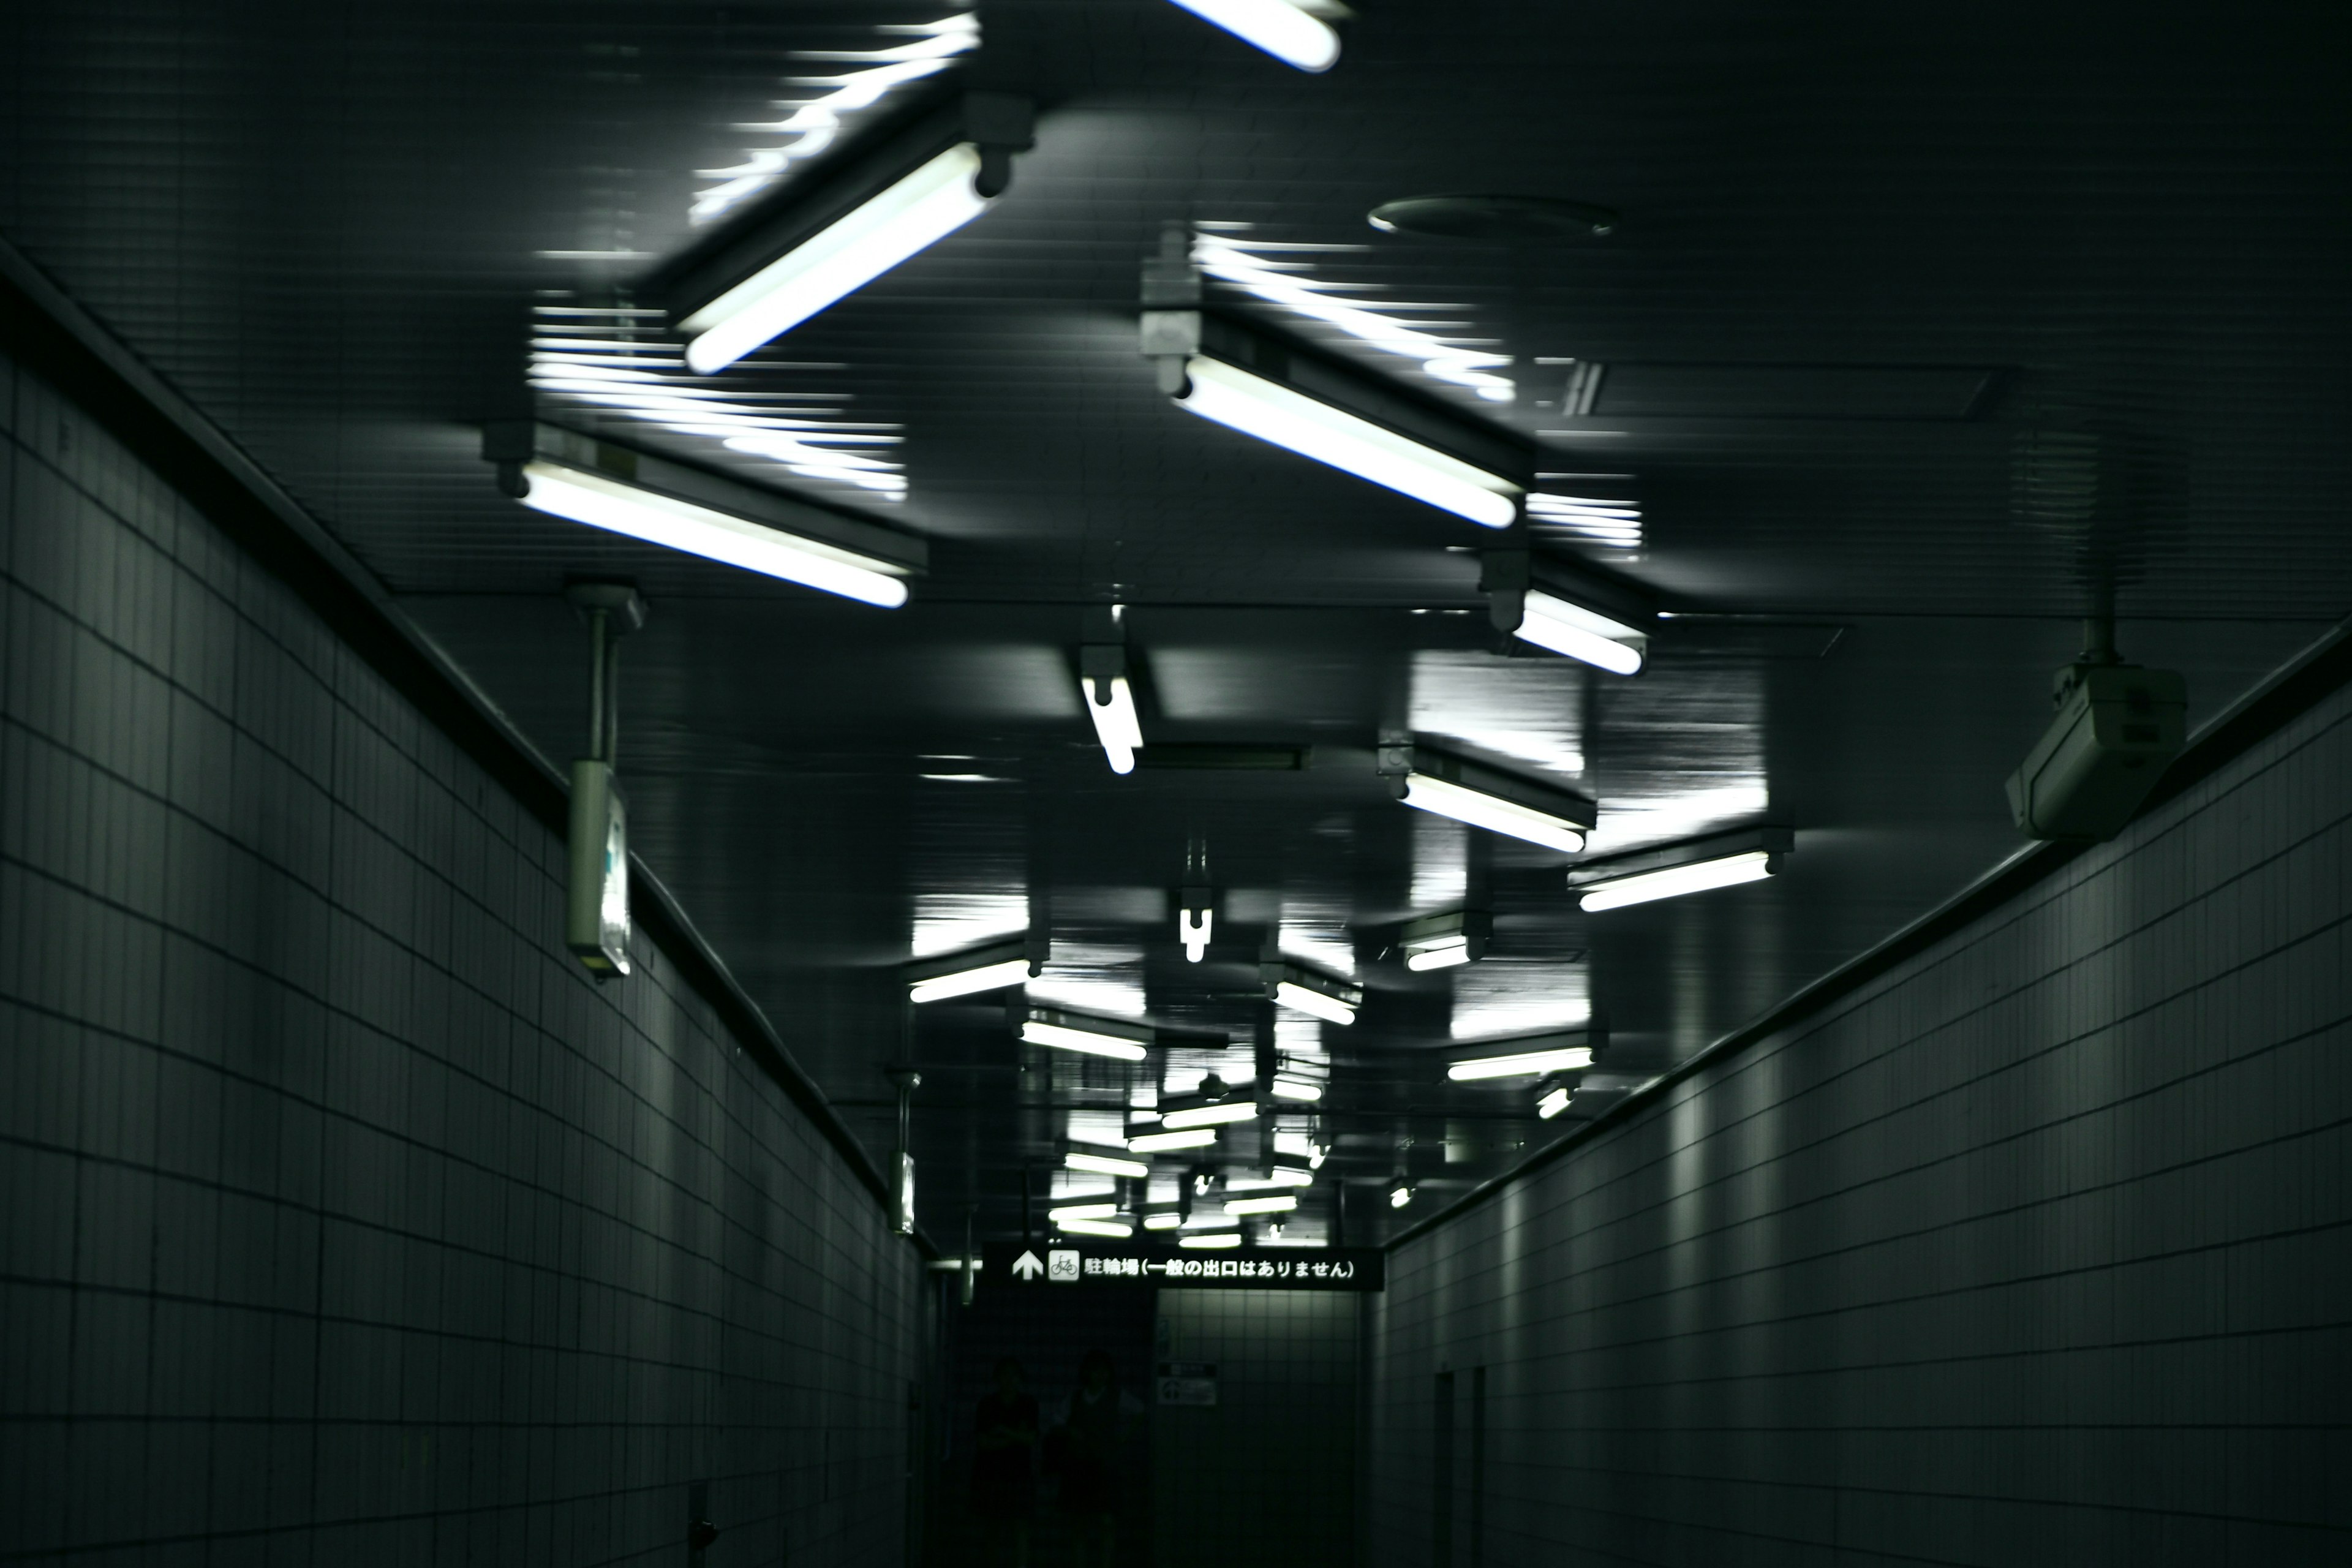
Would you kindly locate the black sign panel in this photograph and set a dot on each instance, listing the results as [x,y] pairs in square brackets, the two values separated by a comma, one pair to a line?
[1063,1261]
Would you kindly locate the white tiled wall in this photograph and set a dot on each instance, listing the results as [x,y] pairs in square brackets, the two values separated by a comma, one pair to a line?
[2033,1251]
[346,1221]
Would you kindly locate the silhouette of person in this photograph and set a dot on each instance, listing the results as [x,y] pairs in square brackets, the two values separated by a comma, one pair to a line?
[1004,1469]
[1091,1425]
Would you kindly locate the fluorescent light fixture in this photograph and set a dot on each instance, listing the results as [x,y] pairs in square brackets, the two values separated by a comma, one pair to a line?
[1274,1203]
[1094,1038]
[1554,1102]
[916,212]
[1441,942]
[1753,866]
[1291,1176]
[1116,1228]
[1244,401]
[1400,1194]
[1315,1160]
[1596,640]
[1083,1211]
[990,968]
[1155,1143]
[1207,1221]
[1443,954]
[1330,1009]
[1170,1220]
[1525,1064]
[601,502]
[1111,705]
[1493,812]
[1213,1238]
[1286,1086]
[1284,30]
[1105,1164]
[1209,1115]
[1192,927]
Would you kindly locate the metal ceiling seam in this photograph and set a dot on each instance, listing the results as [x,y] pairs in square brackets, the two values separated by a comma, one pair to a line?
[2294,689]
[53,335]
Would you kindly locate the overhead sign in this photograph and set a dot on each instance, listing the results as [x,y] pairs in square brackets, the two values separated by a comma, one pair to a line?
[1043,1265]
[1186,1383]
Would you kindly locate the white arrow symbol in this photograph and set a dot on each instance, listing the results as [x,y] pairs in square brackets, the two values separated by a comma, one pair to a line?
[1027,1266]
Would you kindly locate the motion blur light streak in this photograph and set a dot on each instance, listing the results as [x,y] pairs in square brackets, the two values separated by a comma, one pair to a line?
[1282,30]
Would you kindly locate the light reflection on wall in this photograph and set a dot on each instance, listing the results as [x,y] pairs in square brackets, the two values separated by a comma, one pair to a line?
[1092,978]
[1499,998]
[1529,708]
[1441,862]
[614,360]
[949,922]
[813,123]
[1271,271]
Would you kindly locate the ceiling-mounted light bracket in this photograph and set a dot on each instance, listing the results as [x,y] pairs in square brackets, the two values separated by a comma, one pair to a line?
[1304,991]
[813,241]
[1122,1039]
[1485,796]
[1567,608]
[1543,1056]
[677,505]
[1687,866]
[1442,942]
[1012,962]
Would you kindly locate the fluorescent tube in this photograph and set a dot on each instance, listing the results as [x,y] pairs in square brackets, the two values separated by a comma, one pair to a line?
[1277,1203]
[1552,1103]
[1330,1009]
[1255,406]
[1581,634]
[1209,1115]
[1105,1164]
[1098,1228]
[1063,1037]
[1291,1176]
[919,211]
[607,503]
[1163,1221]
[1083,1211]
[1278,28]
[1115,721]
[1444,953]
[1213,1238]
[1194,933]
[1189,1138]
[1524,1065]
[1492,813]
[1285,1088]
[1729,871]
[987,977]
[1399,1196]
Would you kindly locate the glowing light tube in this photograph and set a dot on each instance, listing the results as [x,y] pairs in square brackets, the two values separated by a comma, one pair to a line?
[601,502]
[1278,28]
[1330,1009]
[1399,1196]
[911,215]
[1064,1038]
[1552,1103]
[1492,813]
[1526,1064]
[1581,634]
[1115,722]
[1105,1164]
[1209,1115]
[1255,406]
[1154,1142]
[1193,926]
[1082,1211]
[1096,1227]
[1163,1221]
[1273,1202]
[1441,952]
[987,977]
[1214,1238]
[1285,1088]
[1675,881]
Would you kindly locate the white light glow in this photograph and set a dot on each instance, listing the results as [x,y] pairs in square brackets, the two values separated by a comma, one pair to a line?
[1492,813]
[1278,1203]
[1581,634]
[1675,881]
[1526,1064]
[1083,1211]
[1614,525]
[1209,1115]
[987,977]
[1162,1221]
[1400,1197]
[1330,1009]
[919,211]
[1214,1238]
[1444,953]
[601,503]
[1278,28]
[1285,1088]
[1062,1038]
[1553,1102]
[1254,406]
[1153,1142]
[1290,1176]
[1115,722]
[1096,1227]
[1105,1164]
[1192,927]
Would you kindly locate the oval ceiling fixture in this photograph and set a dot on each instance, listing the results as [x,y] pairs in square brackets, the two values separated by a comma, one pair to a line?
[1492,217]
